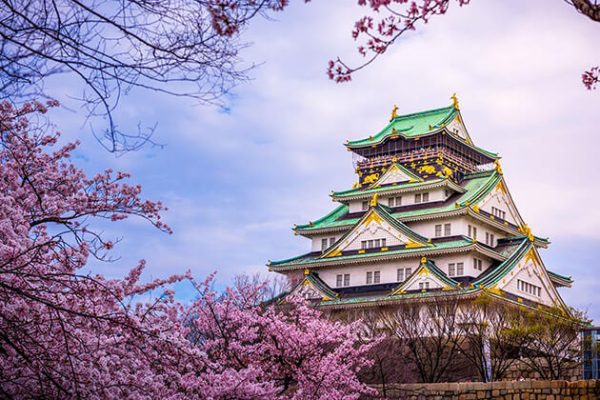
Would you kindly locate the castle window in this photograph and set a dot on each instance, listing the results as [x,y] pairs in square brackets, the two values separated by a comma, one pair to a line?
[403,274]
[339,280]
[423,285]
[365,205]
[418,198]
[425,197]
[327,242]
[527,287]
[489,239]
[447,229]
[451,269]
[371,244]
[438,230]
[460,269]
[346,279]
[472,232]
[373,277]
[395,201]
[477,264]
[496,212]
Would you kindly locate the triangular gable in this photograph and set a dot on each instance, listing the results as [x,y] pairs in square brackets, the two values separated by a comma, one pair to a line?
[377,224]
[426,277]
[396,173]
[457,128]
[500,198]
[525,264]
[313,288]
[531,270]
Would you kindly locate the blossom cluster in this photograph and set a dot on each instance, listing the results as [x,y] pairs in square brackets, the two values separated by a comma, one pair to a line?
[388,20]
[591,78]
[68,334]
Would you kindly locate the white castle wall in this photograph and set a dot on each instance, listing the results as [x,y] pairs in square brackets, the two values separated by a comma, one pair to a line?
[316,242]
[459,226]
[389,269]
[408,199]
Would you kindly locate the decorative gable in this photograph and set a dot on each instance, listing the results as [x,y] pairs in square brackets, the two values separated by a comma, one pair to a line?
[397,174]
[376,226]
[427,277]
[457,128]
[313,288]
[498,203]
[529,280]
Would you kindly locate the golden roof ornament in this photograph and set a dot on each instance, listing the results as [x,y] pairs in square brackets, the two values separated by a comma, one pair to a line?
[498,166]
[394,113]
[455,101]
[373,201]
[526,230]
[306,271]
[423,260]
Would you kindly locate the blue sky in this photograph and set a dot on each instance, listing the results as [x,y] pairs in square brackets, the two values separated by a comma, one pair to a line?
[236,180]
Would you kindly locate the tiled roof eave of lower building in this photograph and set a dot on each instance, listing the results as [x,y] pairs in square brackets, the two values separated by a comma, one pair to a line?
[358,194]
[367,302]
[386,256]
[423,297]
[308,232]
[508,228]
[560,280]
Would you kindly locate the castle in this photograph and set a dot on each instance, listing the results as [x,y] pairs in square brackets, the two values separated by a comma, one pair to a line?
[430,215]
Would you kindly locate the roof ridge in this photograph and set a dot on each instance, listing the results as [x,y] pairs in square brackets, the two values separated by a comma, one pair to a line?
[425,112]
[336,210]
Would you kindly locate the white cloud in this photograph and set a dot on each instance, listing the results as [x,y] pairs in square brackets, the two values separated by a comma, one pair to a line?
[237,181]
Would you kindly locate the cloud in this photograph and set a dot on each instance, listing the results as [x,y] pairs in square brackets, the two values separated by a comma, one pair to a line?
[236,181]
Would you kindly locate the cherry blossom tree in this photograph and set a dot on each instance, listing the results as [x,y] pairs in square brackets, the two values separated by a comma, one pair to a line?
[284,352]
[65,333]
[388,20]
[178,47]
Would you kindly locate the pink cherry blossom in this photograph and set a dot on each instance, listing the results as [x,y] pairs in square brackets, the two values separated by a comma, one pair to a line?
[69,334]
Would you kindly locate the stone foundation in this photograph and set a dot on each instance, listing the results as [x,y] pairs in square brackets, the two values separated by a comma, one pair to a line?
[523,390]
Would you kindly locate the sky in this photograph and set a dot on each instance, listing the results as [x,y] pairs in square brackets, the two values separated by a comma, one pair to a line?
[236,179]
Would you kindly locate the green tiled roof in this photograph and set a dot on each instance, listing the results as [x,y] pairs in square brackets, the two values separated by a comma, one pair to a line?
[415,125]
[338,212]
[411,125]
[407,186]
[308,259]
[476,187]
[487,280]
[565,280]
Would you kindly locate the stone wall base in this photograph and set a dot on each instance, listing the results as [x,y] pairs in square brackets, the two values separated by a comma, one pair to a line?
[514,390]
